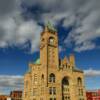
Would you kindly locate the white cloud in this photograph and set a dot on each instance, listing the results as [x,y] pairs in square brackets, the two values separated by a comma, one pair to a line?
[91,72]
[10,82]
[86,28]
[17,33]
[85,46]
[14,29]
[83,15]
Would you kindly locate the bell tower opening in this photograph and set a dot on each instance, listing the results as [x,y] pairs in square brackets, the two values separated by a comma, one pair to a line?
[51,40]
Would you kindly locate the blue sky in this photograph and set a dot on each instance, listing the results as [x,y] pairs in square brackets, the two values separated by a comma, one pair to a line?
[22,21]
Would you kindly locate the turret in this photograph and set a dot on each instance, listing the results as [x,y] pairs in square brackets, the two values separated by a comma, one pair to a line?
[72,60]
[65,60]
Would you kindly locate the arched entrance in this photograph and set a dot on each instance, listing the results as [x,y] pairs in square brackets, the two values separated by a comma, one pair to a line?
[65,89]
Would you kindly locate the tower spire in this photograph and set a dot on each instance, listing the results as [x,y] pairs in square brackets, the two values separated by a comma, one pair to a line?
[49,27]
[72,60]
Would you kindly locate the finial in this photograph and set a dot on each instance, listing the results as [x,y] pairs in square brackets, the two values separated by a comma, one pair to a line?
[49,26]
[72,59]
[65,60]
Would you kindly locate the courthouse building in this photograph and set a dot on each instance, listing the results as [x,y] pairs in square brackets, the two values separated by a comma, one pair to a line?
[52,78]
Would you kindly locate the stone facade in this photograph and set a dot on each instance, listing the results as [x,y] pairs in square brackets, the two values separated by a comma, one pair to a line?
[51,78]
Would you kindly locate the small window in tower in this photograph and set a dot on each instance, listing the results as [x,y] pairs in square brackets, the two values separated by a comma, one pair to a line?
[52,78]
[51,40]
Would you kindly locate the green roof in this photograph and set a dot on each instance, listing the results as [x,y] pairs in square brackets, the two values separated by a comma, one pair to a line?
[37,61]
[50,26]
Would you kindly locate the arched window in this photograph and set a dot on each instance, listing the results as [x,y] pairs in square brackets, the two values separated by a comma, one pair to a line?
[65,81]
[65,88]
[51,40]
[52,78]
[79,81]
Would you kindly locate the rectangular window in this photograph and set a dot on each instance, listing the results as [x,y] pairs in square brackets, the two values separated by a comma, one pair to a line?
[51,99]
[34,91]
[54,98]
[80,92]
[35,78]
[52,90]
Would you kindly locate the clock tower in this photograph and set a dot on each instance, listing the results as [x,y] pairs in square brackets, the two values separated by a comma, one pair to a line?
[47,79]
[49,47]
